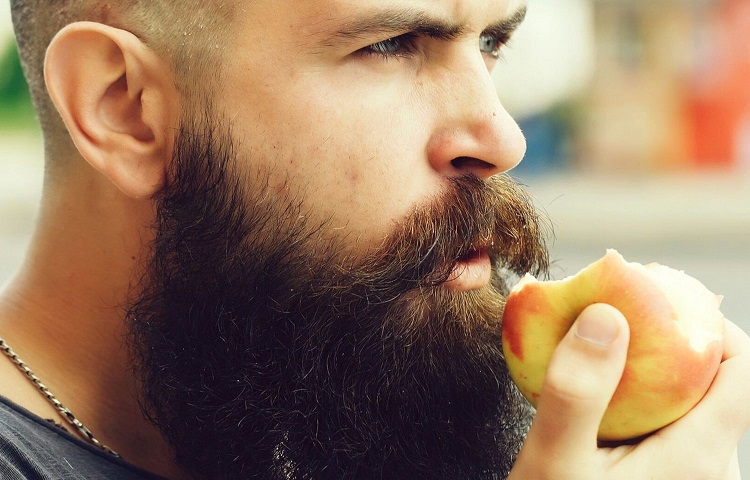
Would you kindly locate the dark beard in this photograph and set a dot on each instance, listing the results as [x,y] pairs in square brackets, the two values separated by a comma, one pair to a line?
[265,351]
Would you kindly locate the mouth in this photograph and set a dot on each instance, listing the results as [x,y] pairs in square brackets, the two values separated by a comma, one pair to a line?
[472,271]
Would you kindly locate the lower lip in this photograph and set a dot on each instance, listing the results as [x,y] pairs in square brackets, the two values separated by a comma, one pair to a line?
[470,274]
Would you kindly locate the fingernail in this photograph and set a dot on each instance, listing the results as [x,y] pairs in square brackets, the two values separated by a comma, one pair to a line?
[597,328]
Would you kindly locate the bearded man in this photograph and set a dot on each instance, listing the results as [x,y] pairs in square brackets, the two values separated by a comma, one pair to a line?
[275,241]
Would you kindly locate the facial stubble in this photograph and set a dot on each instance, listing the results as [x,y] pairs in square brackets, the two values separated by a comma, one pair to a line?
[265,350]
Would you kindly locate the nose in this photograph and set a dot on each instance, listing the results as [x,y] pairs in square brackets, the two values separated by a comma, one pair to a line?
[473,134]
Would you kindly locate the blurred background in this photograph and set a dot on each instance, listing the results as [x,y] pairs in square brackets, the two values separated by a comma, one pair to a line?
[637,118]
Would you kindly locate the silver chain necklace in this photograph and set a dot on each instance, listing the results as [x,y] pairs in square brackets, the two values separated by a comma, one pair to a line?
[62,409]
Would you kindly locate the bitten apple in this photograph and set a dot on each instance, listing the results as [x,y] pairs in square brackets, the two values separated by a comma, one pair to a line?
[676,338]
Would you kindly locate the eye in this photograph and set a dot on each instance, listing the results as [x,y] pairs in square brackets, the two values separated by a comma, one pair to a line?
[400,46]
[491,45]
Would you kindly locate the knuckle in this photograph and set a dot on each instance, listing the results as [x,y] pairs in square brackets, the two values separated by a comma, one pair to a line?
[571,386]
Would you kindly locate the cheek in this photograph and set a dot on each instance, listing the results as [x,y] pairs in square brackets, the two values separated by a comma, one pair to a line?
[358,162]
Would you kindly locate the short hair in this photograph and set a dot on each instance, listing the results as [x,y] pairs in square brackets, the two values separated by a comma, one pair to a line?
[190,34]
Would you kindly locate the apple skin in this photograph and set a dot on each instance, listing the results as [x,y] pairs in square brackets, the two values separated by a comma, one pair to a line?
[674,351]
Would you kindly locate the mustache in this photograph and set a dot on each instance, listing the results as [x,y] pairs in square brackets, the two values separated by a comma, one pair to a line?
[495,216]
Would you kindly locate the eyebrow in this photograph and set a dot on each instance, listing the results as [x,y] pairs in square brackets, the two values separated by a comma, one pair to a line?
[505,28]
[396,22]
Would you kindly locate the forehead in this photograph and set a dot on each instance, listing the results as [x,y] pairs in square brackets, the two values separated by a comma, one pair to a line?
[311,16]
[452,8]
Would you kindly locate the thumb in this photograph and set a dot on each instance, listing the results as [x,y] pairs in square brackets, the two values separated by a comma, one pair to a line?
[581,378]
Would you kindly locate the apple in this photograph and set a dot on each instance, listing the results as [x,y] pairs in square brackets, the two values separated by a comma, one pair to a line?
[676,338]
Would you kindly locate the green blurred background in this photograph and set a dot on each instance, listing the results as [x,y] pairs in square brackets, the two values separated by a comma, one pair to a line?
[16,112]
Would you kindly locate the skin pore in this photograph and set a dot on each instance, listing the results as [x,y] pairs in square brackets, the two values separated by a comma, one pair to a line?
[360,126]
[256,365]
[432,99]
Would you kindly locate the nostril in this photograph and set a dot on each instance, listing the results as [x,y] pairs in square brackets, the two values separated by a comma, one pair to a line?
[470,164]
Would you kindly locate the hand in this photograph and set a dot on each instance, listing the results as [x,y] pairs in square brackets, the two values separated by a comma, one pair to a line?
[580,381]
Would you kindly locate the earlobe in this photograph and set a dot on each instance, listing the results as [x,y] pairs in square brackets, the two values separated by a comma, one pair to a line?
[118,102]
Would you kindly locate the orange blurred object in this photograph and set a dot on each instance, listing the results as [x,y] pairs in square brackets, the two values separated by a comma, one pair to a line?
[719,107]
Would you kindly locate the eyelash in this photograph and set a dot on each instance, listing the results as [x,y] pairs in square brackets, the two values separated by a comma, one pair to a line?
[405,45]
[400,46]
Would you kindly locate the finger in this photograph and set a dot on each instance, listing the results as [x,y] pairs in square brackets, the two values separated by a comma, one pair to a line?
[581,378]
[719,421]
[736,341]
[724,412]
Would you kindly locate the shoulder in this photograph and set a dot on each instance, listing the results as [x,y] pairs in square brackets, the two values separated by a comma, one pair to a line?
[32,448]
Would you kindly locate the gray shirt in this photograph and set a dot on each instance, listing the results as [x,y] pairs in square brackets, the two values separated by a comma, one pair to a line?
[35,449]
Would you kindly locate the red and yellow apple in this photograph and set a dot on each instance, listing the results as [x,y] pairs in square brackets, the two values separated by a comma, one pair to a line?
[676,338]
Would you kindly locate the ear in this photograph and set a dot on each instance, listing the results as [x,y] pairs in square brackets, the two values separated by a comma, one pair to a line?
[118,101]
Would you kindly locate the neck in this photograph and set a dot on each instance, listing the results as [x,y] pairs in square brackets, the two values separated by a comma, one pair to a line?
[62,313]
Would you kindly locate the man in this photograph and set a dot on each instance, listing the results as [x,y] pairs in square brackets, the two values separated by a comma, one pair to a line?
[274,243]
